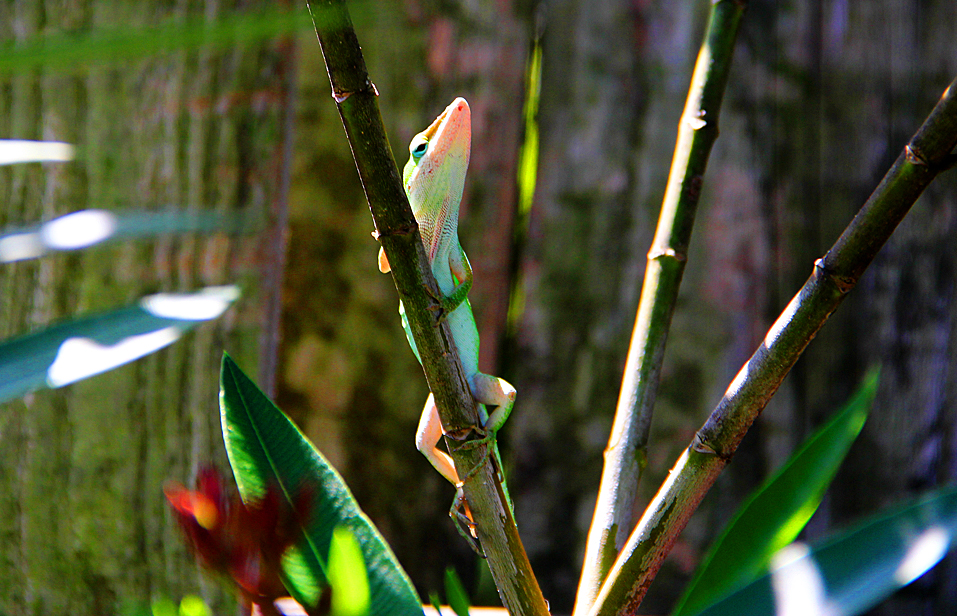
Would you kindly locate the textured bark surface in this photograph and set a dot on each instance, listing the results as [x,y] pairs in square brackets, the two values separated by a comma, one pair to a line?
[822,96]
[84,527]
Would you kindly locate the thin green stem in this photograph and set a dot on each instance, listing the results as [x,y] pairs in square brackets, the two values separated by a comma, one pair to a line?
[398,232]
[625,454]
[925,156]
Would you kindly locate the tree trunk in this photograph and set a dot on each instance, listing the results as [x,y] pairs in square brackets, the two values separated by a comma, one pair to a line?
[84,526]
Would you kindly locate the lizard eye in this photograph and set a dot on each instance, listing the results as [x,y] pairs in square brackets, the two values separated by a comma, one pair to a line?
[418,148]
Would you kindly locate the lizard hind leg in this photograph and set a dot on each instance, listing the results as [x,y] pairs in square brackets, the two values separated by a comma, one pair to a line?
[427,439]
[493,391]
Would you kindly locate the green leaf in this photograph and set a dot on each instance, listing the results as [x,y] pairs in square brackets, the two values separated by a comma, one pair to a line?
[87,228]
[193,605]
[778,510]
[266,448]
[128,43]
[455,592]
[163,607]
[74,350]
[436,602]
[854,571]
[347,575]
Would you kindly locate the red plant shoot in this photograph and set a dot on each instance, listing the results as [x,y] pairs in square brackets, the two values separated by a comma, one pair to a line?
[243,542]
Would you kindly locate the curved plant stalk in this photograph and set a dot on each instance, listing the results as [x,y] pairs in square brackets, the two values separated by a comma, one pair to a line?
[927,154]
[775,513]
[625,455]
[398,232]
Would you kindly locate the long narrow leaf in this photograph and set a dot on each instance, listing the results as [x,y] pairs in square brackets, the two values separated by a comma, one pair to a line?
[854,571]
[778,510]
[455,593]
[265,448]
[90,227]
[74,350]
[130,43]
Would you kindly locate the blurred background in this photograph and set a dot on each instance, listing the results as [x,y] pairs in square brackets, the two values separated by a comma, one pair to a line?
[224,105]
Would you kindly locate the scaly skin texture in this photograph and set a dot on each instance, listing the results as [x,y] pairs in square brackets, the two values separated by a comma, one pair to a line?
[434,179]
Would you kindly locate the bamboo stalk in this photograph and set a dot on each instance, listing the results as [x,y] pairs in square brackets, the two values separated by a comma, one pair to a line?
[398,232]
[626,453]
[927,154]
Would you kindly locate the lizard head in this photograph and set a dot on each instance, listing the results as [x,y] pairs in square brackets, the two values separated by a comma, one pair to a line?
[434,177]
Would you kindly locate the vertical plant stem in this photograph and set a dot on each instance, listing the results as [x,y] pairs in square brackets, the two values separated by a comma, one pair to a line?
[625,455]
[398,232]
[925,156]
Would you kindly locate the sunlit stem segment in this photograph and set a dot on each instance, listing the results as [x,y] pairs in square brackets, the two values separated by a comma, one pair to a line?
[833,276]
[625,454]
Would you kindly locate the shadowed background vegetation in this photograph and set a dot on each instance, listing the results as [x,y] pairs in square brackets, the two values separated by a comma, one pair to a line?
[225,106]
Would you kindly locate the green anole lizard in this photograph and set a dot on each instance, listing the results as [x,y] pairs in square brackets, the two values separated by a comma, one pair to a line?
[434,179]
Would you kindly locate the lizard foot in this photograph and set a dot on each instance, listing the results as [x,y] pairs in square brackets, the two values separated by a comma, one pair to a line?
[488,438]
[440,310]
[462,518]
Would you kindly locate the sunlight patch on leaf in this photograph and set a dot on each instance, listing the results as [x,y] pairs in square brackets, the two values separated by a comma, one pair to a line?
[79,358]
[207,304]
[78,230]
[13,151]
[347,575]
[798,584]
[20,246]
[926,551]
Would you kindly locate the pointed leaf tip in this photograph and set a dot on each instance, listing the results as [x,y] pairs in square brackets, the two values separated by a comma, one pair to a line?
[266,448]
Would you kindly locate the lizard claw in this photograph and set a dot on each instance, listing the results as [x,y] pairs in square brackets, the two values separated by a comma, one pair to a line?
[485,439]
[463,521]
[439,308]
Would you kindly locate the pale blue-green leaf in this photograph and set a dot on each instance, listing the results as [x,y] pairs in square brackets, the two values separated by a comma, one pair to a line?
[90,227]
[73,350]
[854,571]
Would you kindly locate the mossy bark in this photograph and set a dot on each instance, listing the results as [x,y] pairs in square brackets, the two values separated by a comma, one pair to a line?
[84,527]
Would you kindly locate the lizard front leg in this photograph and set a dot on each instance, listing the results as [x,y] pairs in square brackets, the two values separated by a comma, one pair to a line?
[461,271]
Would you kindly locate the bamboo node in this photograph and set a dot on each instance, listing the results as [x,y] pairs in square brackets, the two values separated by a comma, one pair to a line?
[843,283]
[697,122]
[340,95]
[658,253]
[401,230]
[915,157]
[698,445]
